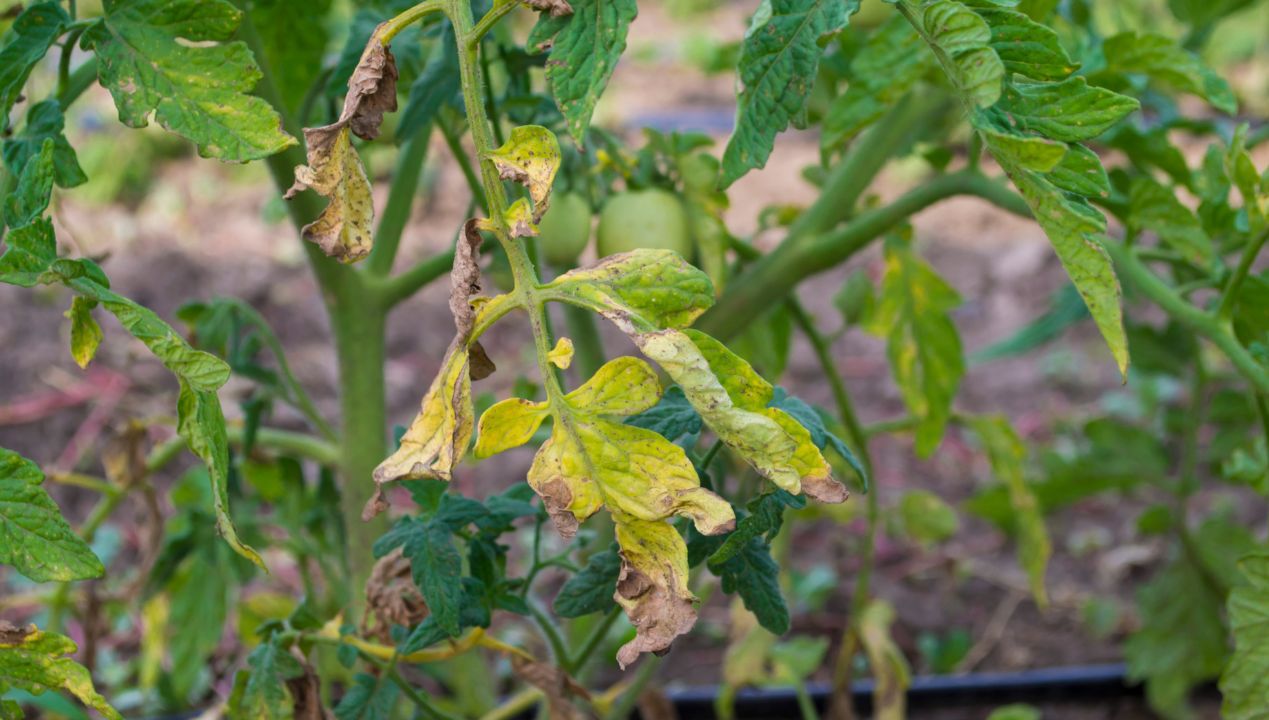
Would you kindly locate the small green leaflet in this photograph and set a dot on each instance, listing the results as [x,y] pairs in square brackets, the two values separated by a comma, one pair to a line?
[37,661]
[1163,60]
[172,58]
[34,537]
[778,64]
[753,575]
[961,40]
[1155,207]
[1245,683]
[369,698]
[585,47]
[435,564]
[592,589]
[882,72]
[32,34]
[260,692]
[44,121]
[922,344]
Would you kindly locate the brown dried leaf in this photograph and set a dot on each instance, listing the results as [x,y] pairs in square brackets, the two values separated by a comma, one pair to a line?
[652,587]
[392,598]
[306,691]
[557,8]
[11,634]
[464,279]
[555,684]
[345,229]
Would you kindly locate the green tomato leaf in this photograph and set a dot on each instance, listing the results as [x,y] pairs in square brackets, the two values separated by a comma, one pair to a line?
[1163,60]
[293,37]
[649,289]
[1245,682]
[44,121]
[585,47]
[435,564]
[34,189]
[922,344]
[752,574]
[778,60]
[927,518]
[591,590]
[32,34]
[673,417]
[883,71]
[962,41]
[765,518]
[1069,111]
[369,698]
[37,661]
[34,537]
[173,59]
[1155,208]
[260,692]
[1006,453]
[1026,47]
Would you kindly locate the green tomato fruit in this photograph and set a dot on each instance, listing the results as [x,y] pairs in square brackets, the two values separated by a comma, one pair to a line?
[565,230]
[700,173]
[644,219]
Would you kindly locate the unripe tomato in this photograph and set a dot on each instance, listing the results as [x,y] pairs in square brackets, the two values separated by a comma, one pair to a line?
[565,229]
[651,218]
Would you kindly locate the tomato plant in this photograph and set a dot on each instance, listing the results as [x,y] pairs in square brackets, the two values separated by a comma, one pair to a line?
[669,474]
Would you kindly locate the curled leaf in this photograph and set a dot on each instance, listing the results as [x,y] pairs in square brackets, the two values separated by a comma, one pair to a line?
[652,588]
[510,423]
[531,157]
[345,229]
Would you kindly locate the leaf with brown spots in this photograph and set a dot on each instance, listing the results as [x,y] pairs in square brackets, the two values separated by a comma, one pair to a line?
[531,157]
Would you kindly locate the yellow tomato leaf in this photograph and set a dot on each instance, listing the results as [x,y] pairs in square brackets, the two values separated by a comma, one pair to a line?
[624,386]
[531,157]
[86,334]
[652,587]
[520,220]
[645,289]
[562,356]
[889,667]
[37,661]
[510,423]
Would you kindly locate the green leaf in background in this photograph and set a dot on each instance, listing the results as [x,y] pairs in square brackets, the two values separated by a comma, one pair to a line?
[889,64]
[293,38]
[926,517]
[591,590]
[369,698]
[673,417]
[34,537]
[1154,207]
[32,34]
[1165,61]
[766,516]
[1245,682]
[44,121]
[260,692]
[172,59]
[1006,453]
[821,436]
[37,661]
[436,86]
[778,62]
[924,349]
[30,198]
[585,47]
[753,575]
[1026,47]
[435,564]
[1181,641]
[199,608]
[1015,712]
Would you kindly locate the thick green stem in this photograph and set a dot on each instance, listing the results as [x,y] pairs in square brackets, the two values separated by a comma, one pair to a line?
[1201,323]
[1229,296]
[775,275]
[396,290]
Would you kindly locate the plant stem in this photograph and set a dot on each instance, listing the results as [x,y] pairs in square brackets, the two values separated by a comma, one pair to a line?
[396,213]
[630,696]
[305,446]
[1229,296]
[455,145]
[551,634]
[775,275]
[1201,323]
[592,643]
[400,288]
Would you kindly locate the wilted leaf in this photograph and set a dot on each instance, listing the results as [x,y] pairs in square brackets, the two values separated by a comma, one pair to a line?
[889,667]
[530,157]
[778,62]
[345,229]
[34,537]
[172,59]
[85,332]
[555,684]
[913,314]
[32,34]
[37,661]
[585,47]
